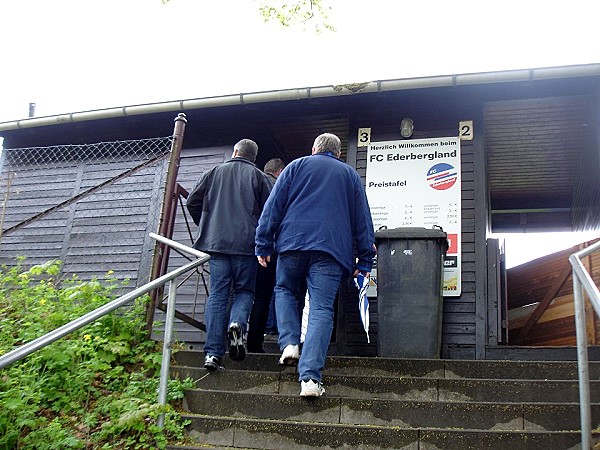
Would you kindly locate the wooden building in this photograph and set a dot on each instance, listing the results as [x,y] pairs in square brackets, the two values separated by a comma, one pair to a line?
[540,300]
[530,161]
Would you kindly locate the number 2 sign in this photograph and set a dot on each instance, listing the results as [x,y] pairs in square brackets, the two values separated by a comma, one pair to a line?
[465,130]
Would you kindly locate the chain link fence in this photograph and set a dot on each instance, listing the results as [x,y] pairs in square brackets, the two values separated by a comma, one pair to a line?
[90,206]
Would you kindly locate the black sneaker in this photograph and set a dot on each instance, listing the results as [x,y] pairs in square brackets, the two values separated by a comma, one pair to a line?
[237,351]
[212,362]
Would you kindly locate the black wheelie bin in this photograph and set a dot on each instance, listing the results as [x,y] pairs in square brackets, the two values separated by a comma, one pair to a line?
[409,291]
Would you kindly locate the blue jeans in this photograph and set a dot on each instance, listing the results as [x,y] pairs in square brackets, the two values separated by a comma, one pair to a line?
[322,274]
[234,274]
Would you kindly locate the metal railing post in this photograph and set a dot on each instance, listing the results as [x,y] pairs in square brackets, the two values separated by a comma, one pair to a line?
[582,364]
[167,218]
[583,282]
[167,346]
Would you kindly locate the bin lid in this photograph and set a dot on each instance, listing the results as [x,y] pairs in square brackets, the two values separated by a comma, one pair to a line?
[410,233]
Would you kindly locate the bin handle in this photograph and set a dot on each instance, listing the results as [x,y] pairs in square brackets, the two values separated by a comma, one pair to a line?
[445,240]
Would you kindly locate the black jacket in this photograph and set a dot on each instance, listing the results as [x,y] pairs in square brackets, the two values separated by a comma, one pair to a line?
[226,204]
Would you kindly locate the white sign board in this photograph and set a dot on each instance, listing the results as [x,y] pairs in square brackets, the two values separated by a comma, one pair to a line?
[417,183]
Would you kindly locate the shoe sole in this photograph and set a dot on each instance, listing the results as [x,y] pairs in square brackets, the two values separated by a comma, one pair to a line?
[311,394]
[290,361]
[237,351]
[210,366]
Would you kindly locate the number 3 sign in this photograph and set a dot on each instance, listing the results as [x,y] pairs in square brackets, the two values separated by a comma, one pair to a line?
[364,137]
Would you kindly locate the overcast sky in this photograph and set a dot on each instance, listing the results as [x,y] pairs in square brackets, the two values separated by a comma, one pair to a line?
[79,55]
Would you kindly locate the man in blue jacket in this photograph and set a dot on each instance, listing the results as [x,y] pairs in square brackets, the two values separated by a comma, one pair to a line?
[315,217]
[226,204]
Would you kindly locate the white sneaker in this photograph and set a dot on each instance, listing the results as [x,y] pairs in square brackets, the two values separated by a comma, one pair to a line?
[290,355]
[311,388]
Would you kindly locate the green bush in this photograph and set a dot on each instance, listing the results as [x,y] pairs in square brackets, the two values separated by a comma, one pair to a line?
[94,389]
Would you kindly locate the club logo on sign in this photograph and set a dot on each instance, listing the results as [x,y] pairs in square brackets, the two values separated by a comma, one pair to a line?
[442,176]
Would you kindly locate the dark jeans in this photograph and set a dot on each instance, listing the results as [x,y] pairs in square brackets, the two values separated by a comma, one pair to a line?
[265,283]
[228,273]
[272,320]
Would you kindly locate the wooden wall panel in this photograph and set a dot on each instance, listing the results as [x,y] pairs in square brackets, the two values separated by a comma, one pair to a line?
[104,231]
[529,283]
[114,223]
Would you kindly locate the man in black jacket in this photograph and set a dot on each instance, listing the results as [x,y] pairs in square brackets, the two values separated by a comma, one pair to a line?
[226,204]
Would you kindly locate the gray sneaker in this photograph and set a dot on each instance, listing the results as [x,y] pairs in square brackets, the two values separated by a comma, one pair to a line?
[311,388]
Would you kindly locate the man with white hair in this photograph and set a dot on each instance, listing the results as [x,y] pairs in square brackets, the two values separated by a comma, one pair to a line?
[315,217]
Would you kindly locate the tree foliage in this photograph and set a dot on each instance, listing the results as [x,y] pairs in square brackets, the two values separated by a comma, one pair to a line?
[307,13]
[310,14]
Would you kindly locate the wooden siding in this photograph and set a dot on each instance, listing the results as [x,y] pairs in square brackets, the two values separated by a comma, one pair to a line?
[107,230]
[91,230]
[549,277]
[515,123]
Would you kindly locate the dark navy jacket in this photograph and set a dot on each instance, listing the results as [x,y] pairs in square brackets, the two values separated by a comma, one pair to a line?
[318,203]
[226,204]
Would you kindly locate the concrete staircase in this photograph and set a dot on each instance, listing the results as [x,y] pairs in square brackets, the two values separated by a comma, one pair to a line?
[384,403]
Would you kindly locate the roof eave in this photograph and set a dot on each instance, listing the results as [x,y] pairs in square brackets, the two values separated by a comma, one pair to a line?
[521,75]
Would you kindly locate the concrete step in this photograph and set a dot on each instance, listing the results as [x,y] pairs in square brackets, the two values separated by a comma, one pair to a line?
[251,433]
[399,413]
[381,403]
[399,388]
[431,368]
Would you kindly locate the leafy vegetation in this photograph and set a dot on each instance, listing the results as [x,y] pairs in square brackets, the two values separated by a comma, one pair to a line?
[300,12]
[310,14]
[94,389]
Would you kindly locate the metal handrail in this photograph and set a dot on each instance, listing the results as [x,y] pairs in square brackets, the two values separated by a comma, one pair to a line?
[26,349]
[582,280]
